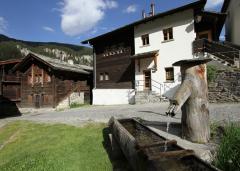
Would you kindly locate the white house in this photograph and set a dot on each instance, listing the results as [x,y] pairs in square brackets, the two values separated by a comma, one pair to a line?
[158,44]
[232,8]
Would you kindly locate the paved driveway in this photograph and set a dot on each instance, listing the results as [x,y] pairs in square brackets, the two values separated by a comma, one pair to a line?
[151,112]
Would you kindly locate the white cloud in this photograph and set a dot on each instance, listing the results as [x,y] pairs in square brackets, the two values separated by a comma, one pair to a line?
[211,4]
[131,9]
[49,29]
[3,25]
[80,16]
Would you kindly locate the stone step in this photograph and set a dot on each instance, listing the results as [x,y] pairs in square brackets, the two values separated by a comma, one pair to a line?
[144,97]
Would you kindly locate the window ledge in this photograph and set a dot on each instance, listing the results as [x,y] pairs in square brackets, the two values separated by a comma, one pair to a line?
[166,41]
[169,81]
[144,46]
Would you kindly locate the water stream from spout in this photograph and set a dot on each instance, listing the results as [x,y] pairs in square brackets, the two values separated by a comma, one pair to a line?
[167,130]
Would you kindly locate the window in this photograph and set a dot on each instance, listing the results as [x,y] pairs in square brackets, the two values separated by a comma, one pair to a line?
[168,34]
[145,39]
[101,77]
[169,74]
[106,76]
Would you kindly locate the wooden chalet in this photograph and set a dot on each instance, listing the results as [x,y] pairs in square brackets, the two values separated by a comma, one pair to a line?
[113,51]
[9,81]
[46,82]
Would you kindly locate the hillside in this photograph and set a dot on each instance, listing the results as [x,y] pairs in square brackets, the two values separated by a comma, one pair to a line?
[12,48]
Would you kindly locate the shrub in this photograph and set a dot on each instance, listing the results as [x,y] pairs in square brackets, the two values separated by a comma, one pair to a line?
[211,73]
[228,154]
[77,105]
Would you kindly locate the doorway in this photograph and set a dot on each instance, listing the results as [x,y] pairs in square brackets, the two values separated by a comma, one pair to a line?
[37,101]
[147,80]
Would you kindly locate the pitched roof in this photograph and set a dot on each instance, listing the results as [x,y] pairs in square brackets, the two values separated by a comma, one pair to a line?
[198,3]
[55,64]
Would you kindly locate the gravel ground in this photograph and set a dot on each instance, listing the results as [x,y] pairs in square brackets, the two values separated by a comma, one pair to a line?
[150,112]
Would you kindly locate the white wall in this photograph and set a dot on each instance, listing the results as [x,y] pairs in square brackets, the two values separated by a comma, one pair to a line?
[169,52]
[113,96]
[233,22]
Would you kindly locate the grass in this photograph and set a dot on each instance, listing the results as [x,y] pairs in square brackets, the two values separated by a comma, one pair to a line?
[77,105]
[29,146]
[228,154]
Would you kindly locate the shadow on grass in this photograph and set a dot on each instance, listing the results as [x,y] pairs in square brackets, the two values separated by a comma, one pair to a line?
[119,162]
[8,108]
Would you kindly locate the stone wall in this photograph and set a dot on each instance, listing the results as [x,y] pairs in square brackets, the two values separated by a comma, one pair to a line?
[225,88]
[75,97]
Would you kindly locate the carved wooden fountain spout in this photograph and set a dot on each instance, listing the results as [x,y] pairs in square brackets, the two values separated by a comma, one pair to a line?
[192,98]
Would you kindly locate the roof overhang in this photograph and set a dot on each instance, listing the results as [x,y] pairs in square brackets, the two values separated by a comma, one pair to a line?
[30,56]
[145,55]
[217,19]
[197,4]
[10,61]
[225,5]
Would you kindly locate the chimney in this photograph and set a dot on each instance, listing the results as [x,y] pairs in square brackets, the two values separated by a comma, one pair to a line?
[152,13]
[143,14]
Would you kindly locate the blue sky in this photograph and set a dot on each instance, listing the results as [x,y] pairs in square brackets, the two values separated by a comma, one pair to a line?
[71,21]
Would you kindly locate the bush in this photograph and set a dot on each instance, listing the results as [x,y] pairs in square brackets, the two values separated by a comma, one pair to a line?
[211,73]
[228,154]
[77,105]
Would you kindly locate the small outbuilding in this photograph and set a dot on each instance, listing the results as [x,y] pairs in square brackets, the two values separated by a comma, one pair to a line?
[48,82]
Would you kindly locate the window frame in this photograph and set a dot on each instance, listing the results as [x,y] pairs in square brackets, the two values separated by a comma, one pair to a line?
[168,34]
[145,40]
[169,74]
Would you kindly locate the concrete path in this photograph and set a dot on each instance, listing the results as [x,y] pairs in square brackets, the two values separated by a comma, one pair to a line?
[151,112]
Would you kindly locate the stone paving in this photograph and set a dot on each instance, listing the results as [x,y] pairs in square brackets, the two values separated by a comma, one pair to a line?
[151,112]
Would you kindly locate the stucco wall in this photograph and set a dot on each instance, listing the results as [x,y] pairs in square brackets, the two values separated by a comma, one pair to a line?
[169,52]
[233,22]
[113,96]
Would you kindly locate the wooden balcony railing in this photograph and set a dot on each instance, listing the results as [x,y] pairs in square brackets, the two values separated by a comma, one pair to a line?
[218,49]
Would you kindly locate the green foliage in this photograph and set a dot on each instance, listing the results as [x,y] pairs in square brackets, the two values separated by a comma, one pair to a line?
[228,153]
[8,50]
[77,105]
[57,147]
[211,73]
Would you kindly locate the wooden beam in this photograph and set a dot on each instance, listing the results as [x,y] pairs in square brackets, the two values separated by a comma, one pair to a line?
[32,75]
[168,142]
[172,154]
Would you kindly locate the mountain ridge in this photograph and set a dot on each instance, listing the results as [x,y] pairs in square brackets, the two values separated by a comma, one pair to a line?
[11,48]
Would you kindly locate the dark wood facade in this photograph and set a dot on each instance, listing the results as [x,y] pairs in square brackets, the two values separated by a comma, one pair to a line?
[114,66]
[43,85]
[10,82]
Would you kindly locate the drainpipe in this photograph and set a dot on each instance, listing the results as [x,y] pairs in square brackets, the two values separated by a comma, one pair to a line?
[94,69]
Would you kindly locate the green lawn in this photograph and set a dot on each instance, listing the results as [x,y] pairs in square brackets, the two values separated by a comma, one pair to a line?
[30,146]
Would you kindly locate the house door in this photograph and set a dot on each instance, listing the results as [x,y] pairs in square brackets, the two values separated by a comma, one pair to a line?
[147,80]
[37,101]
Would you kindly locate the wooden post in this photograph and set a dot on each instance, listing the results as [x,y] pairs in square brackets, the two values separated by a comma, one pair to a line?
[192,98]
[32,75]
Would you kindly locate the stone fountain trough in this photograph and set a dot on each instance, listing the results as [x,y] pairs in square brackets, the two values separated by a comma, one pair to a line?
[146,150]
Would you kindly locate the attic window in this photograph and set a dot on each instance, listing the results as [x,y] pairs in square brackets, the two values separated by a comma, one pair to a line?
[145,40]
[168,34]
